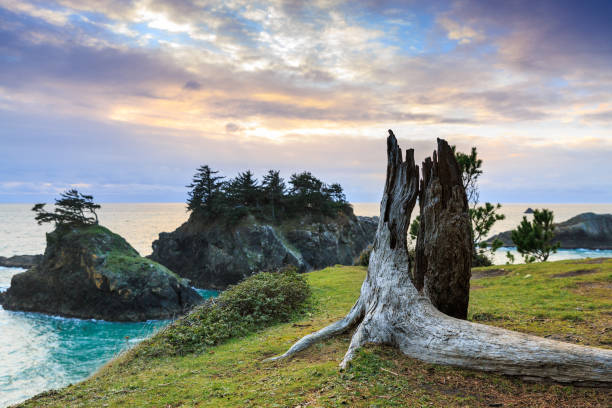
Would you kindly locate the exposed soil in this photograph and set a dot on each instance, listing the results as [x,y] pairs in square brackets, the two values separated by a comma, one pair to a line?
[594,285]
[590,261]
[577,272]
[489,273]
[602,290]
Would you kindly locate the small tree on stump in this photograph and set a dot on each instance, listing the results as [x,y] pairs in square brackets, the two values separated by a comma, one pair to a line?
[398,309]
[72,208]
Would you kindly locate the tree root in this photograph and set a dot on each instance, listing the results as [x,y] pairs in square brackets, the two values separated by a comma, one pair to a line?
[426,334]
[332,330]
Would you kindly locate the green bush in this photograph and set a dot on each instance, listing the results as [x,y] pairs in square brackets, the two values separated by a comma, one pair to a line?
[480,259]
[364,257]
[257,302]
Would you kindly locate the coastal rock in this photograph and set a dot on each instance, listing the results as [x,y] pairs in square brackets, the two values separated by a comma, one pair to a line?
[214,256]
[20,261]
[586,230]
[529,211]
[90,272]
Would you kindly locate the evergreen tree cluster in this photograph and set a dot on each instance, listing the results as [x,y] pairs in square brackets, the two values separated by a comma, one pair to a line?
[212,196]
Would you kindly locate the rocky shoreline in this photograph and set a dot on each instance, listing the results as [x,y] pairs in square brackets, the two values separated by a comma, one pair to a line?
[584,231]
[20,261]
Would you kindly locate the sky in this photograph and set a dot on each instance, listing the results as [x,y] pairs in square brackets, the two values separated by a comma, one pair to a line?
[125,99]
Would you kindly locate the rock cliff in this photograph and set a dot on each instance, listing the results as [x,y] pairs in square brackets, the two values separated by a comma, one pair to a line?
[90,272]
[214,256]
[587,230]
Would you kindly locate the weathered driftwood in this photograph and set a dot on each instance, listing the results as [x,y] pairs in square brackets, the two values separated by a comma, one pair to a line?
[391,310]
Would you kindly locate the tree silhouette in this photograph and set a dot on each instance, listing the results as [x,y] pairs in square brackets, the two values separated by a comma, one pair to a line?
[211,198]
[273,189]
[72,208]
[206,194]
[243,190]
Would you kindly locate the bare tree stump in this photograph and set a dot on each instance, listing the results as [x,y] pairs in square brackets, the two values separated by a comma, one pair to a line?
[390,310]
[444,243]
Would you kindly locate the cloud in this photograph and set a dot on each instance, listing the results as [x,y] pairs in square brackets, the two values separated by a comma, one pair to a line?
[461,33]
[232,127]
[551,36]
[155,88]
[192,85]
[599,117]
[322,65]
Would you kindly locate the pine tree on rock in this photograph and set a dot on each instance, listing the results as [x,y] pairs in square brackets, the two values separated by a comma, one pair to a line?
[274,188]
[306,191]
[392,310]
[206,196]
[244,190]
[72,208]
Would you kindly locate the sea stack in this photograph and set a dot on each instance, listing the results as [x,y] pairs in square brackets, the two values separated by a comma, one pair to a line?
[214,255]
[88,271]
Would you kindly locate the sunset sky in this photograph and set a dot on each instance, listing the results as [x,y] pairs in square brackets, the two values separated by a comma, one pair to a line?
[124,99]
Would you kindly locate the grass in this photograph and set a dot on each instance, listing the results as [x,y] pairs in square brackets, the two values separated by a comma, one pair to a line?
[123,262]
[119,256]
[522,297]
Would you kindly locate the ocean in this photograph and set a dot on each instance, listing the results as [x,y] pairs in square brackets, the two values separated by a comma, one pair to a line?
[40,352]
[514,214]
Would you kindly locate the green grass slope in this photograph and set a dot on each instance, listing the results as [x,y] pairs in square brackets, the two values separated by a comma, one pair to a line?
[567,300]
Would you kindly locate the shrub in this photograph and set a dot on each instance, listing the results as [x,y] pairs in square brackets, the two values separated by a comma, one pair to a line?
[364,257]
[533,239]
[255,303]
[480,259]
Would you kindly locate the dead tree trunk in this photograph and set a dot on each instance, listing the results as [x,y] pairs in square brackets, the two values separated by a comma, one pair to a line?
[391,310]
[444,243]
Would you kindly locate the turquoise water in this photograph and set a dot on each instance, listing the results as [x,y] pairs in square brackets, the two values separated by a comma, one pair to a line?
[40,352]
[500,255]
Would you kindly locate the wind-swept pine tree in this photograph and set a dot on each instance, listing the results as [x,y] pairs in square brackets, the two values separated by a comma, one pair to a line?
[72,208]
[206,194]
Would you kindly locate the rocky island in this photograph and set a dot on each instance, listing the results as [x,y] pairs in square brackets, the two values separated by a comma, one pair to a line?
[214,256]
[87,271]
[20,261]
[586,230]
[90,272]
[239,227]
